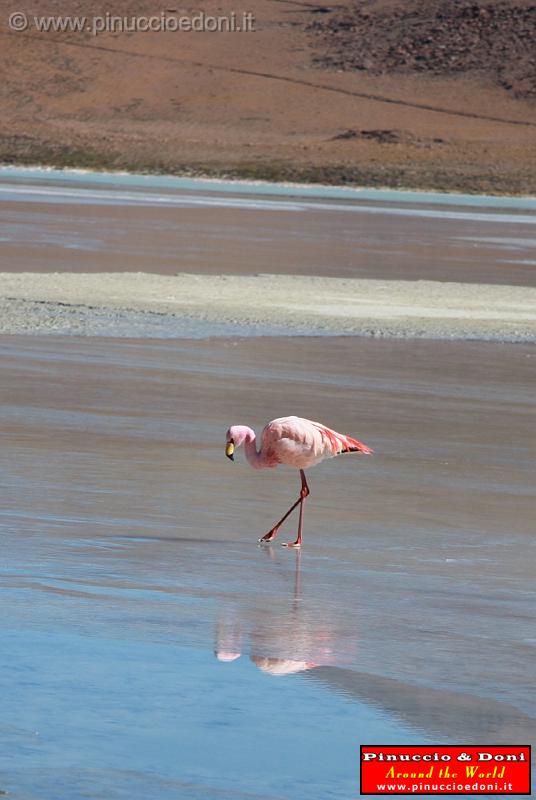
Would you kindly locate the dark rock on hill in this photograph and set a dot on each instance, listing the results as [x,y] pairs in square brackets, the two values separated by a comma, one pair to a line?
[445,37]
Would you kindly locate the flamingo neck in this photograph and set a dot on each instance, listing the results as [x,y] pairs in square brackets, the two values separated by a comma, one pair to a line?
[253,457]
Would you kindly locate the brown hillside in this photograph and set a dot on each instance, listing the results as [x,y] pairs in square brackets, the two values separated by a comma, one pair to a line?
[379,93]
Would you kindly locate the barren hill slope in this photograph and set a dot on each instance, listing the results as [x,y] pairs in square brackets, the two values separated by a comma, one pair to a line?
[414,93]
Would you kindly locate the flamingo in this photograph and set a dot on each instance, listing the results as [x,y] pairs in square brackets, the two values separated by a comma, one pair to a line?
[294,441]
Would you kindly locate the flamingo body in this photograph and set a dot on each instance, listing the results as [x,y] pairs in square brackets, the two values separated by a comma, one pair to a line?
[296,442]
[302,443]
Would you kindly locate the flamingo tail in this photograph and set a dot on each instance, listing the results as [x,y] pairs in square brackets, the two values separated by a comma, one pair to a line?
[344,444]
[353,446]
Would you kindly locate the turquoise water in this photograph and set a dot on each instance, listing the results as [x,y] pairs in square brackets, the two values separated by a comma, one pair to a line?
[57,187]
[262,188]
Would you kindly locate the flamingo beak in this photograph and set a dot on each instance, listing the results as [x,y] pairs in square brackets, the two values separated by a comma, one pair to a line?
[229,450]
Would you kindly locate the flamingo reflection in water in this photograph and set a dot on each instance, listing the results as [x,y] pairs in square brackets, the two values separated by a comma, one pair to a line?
[286,643]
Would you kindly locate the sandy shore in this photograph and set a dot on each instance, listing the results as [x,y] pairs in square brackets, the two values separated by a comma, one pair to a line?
[67,302]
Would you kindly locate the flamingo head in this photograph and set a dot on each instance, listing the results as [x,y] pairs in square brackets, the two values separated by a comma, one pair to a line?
[226,656]
[236,435]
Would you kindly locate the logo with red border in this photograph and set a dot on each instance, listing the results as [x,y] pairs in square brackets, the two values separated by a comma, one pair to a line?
[445,769]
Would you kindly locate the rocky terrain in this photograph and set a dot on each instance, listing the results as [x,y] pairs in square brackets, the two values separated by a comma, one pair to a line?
[446,38]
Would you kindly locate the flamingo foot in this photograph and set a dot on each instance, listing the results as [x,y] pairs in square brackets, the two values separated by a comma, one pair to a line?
[295,544]
[268,537]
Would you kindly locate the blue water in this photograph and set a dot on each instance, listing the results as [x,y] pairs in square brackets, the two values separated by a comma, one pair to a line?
[128,715]
[149,650]
[111,685]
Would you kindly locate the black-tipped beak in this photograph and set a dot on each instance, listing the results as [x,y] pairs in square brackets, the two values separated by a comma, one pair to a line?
[229,450]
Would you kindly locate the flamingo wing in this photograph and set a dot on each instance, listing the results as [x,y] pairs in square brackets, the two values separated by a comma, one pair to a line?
[302,443]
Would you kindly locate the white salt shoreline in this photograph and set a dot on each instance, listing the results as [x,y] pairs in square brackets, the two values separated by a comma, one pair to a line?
[73,303]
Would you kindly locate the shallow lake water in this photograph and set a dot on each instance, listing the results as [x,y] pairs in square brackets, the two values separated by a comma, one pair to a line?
[150,648]
[85,222]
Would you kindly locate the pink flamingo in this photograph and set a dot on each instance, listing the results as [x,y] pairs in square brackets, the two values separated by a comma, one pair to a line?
[295,441]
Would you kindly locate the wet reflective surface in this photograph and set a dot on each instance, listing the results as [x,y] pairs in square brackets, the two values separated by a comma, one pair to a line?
[55,222]
[149,648]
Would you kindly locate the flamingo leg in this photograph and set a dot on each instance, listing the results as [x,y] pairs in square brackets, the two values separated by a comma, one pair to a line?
[305,492]
[272,533]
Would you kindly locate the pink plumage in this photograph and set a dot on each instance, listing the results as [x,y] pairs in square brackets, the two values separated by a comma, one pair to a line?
[297,442]
[302,443]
